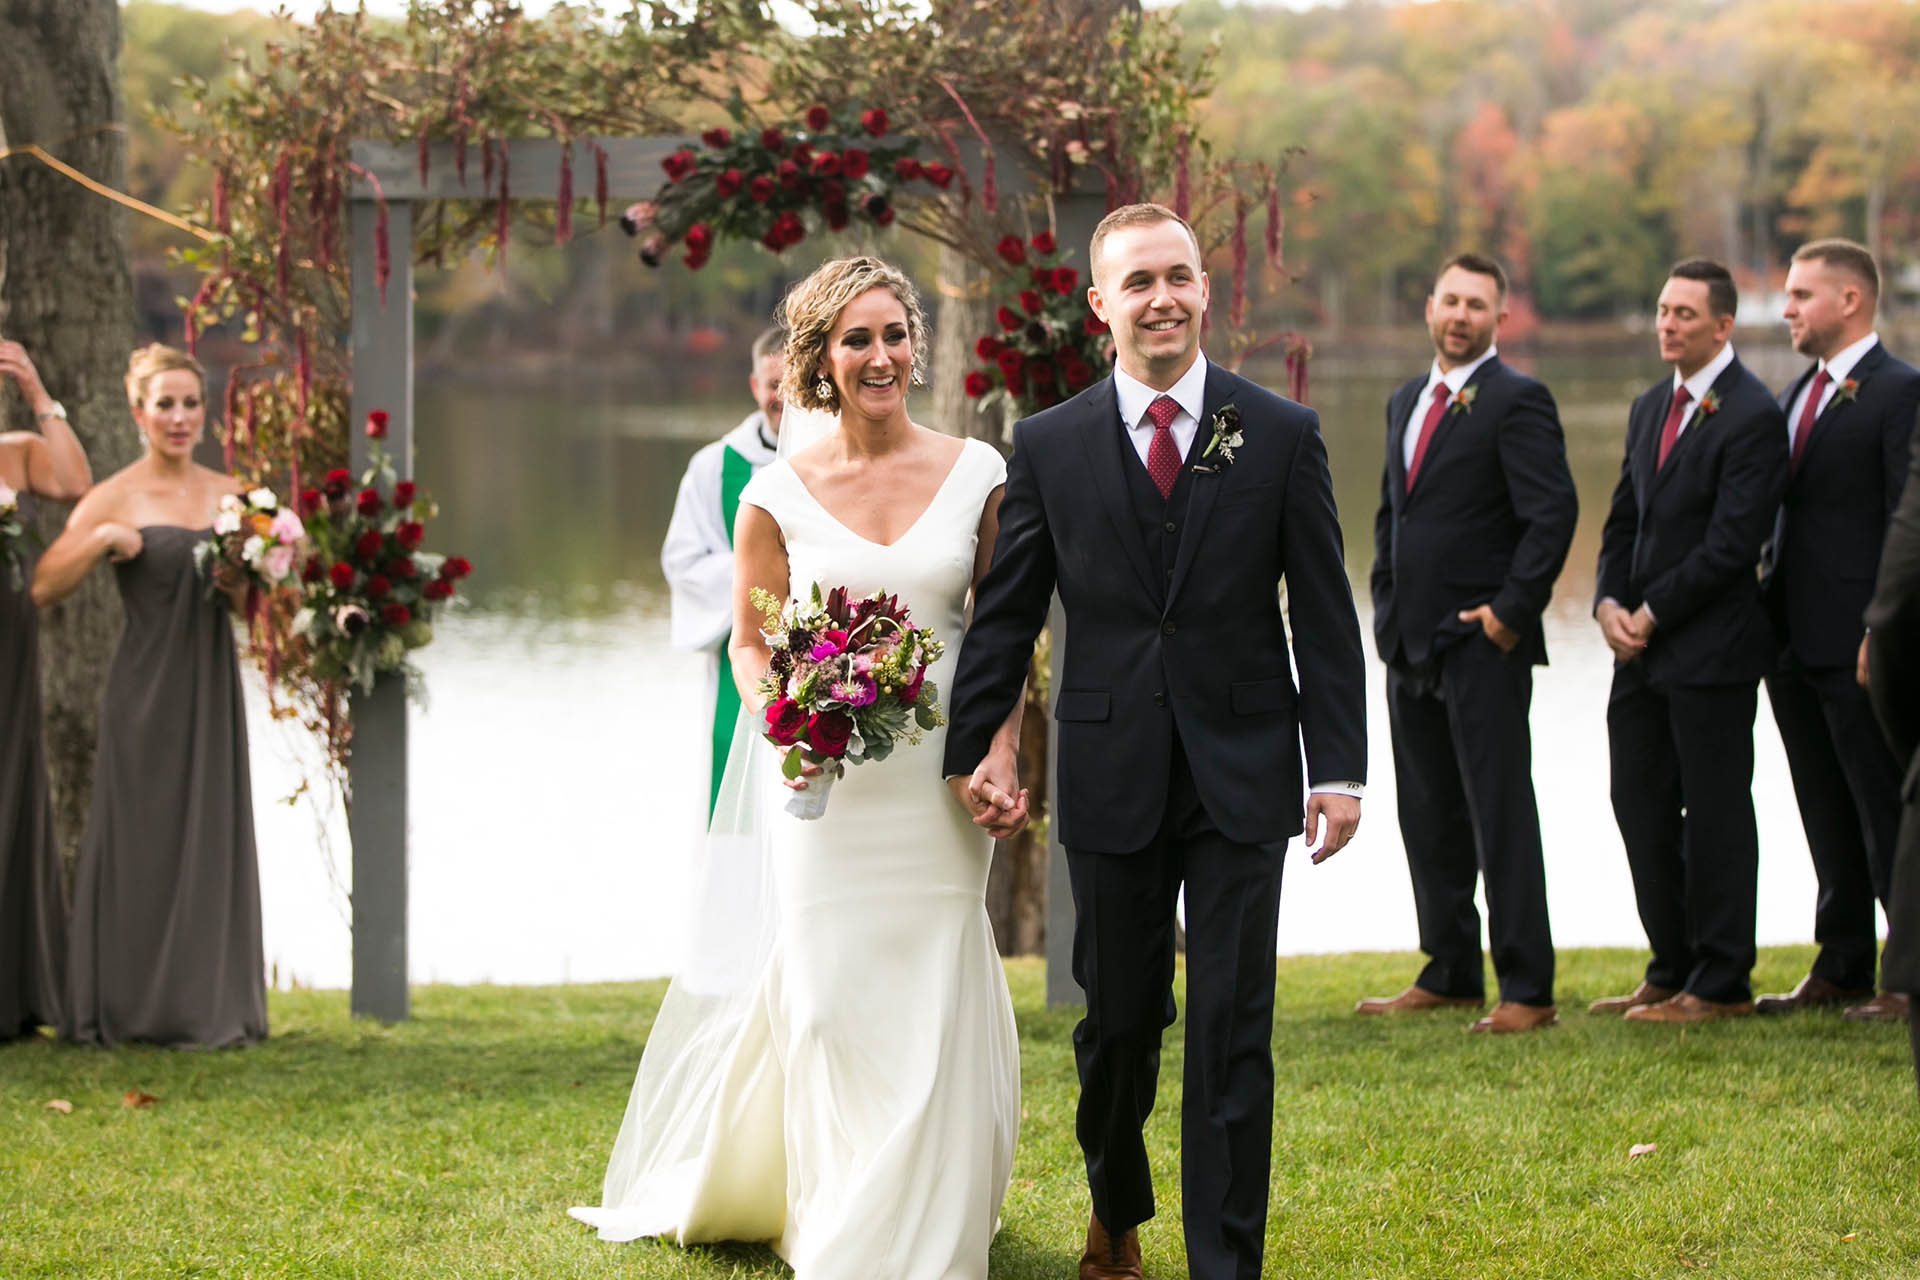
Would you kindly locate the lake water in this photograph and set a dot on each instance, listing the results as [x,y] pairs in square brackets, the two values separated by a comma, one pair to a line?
[555,797]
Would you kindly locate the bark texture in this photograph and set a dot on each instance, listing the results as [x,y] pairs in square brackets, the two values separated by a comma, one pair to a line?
[66,295]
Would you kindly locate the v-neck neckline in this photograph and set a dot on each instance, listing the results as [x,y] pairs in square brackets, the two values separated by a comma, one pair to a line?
[917,520]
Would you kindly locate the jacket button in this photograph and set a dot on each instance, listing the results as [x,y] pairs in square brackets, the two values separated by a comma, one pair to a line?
[1168,630]
[1159,699]
[1172,527]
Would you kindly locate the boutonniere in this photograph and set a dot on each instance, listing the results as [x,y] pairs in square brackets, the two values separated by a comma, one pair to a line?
[1225,439]
[1848,390]
[1709,403]
[1463,399]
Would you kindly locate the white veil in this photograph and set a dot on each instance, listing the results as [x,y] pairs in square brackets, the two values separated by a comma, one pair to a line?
[673,1123]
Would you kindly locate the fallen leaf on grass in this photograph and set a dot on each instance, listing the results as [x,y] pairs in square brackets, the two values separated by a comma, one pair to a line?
[1851,1235]
[1642,1149]
[137,1098]
[61,1105]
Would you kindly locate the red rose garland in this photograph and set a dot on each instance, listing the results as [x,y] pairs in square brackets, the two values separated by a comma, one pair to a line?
[1050,345]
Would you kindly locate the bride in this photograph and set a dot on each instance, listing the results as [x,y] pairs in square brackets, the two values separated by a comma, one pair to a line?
[836,1068]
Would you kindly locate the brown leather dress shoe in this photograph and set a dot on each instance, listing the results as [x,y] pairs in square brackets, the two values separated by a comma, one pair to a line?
[1888,1006]
[1812,993]
[1645,993]
[1417,999]
[1106,1258]
[1687,1007]
[1509,1016]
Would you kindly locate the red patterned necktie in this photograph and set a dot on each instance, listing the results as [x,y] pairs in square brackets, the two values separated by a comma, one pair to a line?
[1671,431]
[1808,413]
[1435,412]
[1163,456]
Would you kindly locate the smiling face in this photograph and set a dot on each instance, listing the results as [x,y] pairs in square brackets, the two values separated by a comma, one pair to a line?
[1821,303]
[869,356]
[1690,333]
[1463,313]
[1150,290]
[170,413]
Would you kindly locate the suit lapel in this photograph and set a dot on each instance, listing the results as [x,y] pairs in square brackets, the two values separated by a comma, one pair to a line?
[1398,410]
[1206,485]
[1836,406]
[1105,439]
[1701,422]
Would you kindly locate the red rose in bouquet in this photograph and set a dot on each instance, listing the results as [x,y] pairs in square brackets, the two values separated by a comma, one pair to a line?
[828,733]
[785,721]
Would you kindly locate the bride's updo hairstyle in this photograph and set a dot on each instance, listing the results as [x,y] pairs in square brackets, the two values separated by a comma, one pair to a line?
[810,310]
[150,361]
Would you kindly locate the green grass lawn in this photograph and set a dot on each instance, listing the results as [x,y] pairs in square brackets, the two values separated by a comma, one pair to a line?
[452,1145]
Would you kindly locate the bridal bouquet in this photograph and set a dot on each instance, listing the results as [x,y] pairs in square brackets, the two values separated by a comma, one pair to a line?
[13,535]
[254,536]
[848,681]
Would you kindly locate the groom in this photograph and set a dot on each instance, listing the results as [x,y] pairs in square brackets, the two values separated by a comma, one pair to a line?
[1166,505]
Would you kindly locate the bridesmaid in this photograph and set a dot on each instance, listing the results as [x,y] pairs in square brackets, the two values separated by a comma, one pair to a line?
[33,923]
[164,941]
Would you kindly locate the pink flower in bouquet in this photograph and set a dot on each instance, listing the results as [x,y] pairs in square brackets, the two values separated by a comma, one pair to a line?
[286,527]
[828,733]
[830,644]
[910,691]
[786,721]
[277,564]
[856,690]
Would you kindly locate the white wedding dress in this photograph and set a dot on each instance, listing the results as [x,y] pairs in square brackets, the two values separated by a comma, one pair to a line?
[849,1087]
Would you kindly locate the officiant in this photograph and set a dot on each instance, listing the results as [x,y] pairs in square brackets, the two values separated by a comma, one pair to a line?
[697,556]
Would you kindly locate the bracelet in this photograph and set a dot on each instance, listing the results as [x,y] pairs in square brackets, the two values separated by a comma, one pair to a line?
[57,411]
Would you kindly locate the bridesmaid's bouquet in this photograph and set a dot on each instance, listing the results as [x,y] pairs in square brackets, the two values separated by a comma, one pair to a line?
[847,683]
[13,536]
[256,537]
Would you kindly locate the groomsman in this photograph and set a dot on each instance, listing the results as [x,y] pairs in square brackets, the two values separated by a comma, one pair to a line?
[1477,509]
[1679,604]
[1850,416]
[697,556]
[1892,659]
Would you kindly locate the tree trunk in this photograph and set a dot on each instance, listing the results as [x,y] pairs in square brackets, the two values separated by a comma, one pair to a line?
[961,315]
[66,295]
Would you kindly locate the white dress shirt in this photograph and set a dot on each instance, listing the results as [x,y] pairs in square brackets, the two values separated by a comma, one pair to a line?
[1455,379]
[1697,387]
[1190,393]
[1838,366]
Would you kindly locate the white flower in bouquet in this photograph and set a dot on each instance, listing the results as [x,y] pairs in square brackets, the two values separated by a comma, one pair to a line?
[228,520]
[253,549]
[262,500]
[9,500]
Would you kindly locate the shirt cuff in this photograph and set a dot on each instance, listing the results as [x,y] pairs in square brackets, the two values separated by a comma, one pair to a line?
[1357,790]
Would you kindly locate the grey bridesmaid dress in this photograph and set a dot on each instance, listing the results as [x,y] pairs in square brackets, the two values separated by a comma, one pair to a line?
[33,917]
[165,935]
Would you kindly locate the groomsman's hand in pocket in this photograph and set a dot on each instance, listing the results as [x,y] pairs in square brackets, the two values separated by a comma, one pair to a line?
[1497,631]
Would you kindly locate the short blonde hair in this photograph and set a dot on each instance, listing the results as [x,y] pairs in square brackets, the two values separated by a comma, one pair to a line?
[154,359]
[1137,215]
[811,309]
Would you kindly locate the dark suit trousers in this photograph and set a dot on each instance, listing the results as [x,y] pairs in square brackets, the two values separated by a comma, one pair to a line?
[1848,786]
[1123,957]
[1682,762]
[1463,768]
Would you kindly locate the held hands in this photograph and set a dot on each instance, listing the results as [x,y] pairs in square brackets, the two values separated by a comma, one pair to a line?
[1342,814]
[1497,631]
[1619,629]
[993,796]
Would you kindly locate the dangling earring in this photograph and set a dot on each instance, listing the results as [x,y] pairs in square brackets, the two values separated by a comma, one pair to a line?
[824,390]
[916,379]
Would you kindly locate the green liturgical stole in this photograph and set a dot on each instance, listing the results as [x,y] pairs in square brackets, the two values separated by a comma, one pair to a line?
[735,471]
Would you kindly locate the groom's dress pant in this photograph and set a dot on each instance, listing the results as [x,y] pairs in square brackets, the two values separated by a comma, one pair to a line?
[1123,958]
[1682,765]
[1463,766]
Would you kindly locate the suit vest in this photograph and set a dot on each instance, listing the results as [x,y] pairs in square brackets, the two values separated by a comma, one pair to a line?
[1162,521]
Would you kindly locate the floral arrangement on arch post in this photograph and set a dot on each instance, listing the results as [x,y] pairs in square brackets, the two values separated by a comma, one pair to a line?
[1048,345]
[764,184]
[370,593]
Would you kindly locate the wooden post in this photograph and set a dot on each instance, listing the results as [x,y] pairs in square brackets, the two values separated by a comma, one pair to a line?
[377,771]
